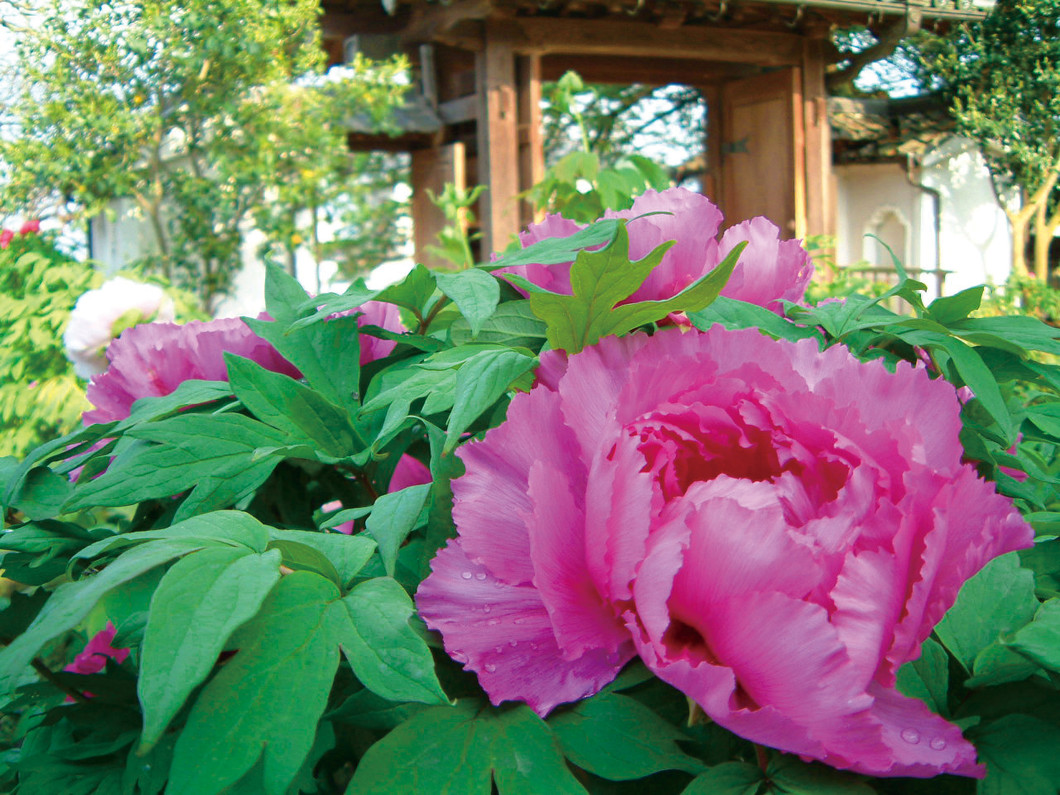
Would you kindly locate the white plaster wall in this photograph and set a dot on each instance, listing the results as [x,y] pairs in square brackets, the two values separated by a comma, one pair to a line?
[976,243]
[974,238]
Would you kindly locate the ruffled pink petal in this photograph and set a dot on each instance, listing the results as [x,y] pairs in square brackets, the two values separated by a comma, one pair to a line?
[967,525]
[503,633]
[922,744]
[490,502]
[768,269]
[153,359]
[581,621]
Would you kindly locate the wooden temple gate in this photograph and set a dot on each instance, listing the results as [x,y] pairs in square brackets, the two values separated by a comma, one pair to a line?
[763,67]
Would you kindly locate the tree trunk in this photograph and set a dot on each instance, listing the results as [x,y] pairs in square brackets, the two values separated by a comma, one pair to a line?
[1019,223]
[1043,236]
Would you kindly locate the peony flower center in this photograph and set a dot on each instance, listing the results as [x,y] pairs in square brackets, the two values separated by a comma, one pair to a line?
[683,445]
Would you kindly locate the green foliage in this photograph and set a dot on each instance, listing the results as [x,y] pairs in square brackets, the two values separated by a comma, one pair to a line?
[203,117]
[271,654]
[40,397]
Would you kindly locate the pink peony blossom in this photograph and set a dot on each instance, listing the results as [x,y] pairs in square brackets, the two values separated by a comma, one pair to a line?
[378,313]
[103,314]
[769,269]
[6,237]
[93,658]
[30,227]
[153,359]
[773,529]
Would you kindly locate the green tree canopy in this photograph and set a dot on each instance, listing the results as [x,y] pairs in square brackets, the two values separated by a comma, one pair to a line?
[1003,74]
[207,115]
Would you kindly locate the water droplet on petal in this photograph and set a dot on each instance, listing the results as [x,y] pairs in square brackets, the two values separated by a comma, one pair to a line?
[938,743]
[493,622]
[480,576]
[486,608]
[519,621]
[498,649]
[911,736]
[513,643]
[466,575]
[490,668]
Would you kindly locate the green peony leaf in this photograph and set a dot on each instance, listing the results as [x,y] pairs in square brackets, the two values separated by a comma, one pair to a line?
[302,413]
[1040,639]
[618,738]
[558,250]
[347,554]
[480,382]
[393,517]
[249,709]
[462,750]
[790,774]
[387,655]
[327,354]
[997,600]
[927,677]
[1020,756]
[730,778]
[513,324]
[200,601]
[221,458]
[73,601]
[474,292]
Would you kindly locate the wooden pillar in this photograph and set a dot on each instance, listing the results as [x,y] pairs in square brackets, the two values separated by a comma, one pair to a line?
[820,204]
[431,170]
[712,182]
[531,134]
[498,140]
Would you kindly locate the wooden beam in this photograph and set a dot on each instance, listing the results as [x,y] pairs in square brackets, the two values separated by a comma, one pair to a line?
[498,141]
[549,36]
[650,71]
[433,22]
[713,184]
[820,204]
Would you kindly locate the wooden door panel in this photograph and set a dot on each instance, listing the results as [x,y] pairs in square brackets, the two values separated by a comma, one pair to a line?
[761,150]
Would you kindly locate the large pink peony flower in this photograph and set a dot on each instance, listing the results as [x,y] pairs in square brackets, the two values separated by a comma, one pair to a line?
[769,269]
[774,531]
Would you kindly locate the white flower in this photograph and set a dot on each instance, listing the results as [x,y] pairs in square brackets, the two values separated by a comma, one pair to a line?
[102,315]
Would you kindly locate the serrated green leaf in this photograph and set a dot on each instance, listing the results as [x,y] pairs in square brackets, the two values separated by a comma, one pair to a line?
[416,292]
[481,381]
[387,655]
[475,293]
[730,778]
[1040,639]
[192,392]
[302,413]
[393,517]
[461,750]
[618,738]
[200,601]
[43,494]
[73,601]
[250,709]
[599,280]
[997,600]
